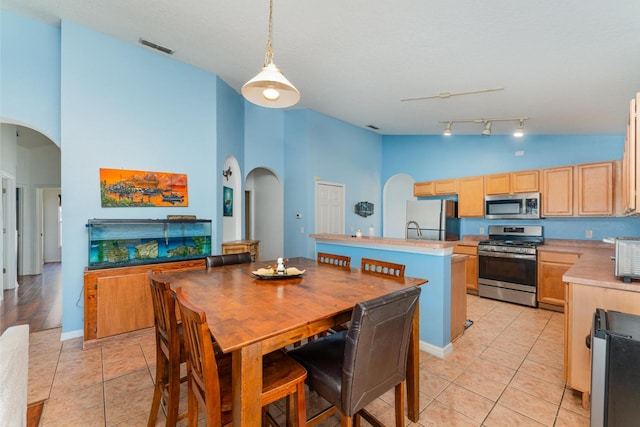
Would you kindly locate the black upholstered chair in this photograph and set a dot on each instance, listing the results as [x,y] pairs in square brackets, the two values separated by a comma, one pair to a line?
[352,368]
[227,259]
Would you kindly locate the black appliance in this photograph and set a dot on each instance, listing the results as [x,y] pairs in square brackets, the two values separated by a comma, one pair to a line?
[507,264]
[615,369]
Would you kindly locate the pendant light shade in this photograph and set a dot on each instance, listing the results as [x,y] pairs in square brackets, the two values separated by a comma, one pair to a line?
[270,88]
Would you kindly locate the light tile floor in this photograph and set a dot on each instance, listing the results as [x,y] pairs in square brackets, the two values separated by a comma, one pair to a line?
[505,370]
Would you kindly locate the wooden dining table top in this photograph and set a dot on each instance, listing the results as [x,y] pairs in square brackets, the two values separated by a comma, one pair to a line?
[242,309]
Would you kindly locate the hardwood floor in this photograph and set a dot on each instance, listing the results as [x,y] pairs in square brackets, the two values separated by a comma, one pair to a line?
[37,301]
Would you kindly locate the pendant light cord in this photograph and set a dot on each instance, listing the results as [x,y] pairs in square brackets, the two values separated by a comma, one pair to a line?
[268,57]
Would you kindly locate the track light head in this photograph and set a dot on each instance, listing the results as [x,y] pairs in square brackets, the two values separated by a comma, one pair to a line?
[447,130]
[487,129]
[519,132]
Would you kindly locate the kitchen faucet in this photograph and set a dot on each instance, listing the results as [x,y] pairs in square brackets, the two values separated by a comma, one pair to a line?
[406,234]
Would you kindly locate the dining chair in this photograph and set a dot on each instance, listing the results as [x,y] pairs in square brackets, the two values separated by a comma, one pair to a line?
[368,265]
[209,383]
[352,368]
[227,259]
[342,261]
[170,353]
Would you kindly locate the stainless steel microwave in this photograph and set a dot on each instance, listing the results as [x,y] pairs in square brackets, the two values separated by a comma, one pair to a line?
[512,206]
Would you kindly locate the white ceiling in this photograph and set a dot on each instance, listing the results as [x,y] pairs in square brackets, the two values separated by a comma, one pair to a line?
[571,65]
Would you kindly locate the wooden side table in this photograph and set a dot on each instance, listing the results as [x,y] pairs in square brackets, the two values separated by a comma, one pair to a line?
[239,246]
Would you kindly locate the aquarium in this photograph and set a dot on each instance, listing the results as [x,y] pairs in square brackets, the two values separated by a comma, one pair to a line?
[127,242]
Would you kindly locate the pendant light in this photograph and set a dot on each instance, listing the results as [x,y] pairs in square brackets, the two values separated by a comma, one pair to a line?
[270,88]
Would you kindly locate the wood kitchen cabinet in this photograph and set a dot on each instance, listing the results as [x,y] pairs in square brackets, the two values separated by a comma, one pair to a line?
[497,184]
[513,182]
[118,300]
[443,187]
[471,197]
[557,191]
[551,287]
[240,246]
[594,189]
[631,161]
[582,301]
[458,296]
[471,265]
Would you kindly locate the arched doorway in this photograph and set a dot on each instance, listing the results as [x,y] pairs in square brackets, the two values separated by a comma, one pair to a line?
[397,190]
[264,201]
[31,179]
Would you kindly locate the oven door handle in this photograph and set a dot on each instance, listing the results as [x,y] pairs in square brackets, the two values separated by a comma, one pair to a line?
[507,255]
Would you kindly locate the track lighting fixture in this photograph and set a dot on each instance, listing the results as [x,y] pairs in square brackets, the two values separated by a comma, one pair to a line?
[487,123]
[487,129]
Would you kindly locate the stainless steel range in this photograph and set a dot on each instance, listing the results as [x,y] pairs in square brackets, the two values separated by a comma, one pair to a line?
[507,264]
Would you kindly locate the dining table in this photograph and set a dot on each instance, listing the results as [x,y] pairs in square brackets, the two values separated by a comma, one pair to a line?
[251,314]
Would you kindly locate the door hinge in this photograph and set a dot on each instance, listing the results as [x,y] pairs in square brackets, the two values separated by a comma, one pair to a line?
[95,286]
[95,330]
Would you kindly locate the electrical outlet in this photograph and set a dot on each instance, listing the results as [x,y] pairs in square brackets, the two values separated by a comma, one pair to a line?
[301,230]
[481,230]
[588,234]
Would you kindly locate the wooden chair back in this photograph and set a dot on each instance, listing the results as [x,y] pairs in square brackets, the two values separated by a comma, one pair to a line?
[203,377]
[375,266]
[210,378]
[169,350]
[342,261]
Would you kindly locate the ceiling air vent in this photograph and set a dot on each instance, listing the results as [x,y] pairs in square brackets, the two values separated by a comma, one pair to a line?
[155,46]
[373,127]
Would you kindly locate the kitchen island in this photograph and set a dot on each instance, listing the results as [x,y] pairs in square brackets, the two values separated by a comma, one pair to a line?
[426,259]
[590,284]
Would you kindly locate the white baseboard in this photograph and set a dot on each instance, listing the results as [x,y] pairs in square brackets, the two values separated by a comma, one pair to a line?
[440,352]
[73,334]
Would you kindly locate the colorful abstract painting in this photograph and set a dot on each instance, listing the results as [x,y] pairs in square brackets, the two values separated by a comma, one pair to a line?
[132,188]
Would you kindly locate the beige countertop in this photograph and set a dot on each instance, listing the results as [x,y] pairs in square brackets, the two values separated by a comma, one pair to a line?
[594,267]
[431,244]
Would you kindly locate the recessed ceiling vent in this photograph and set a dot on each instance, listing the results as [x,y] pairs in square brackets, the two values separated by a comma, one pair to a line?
[155,46]
[373,127]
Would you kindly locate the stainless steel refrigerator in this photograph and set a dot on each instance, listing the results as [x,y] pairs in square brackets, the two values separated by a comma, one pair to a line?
[432,220]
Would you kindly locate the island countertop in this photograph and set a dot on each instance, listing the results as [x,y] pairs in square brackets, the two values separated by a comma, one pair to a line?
[366,240]
[594,267]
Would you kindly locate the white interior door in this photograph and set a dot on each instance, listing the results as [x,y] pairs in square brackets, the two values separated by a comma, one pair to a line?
[330,208]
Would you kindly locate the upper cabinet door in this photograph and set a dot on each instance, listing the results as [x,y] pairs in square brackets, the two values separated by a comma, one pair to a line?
[497,184]
[595,189]
[422,189]
[525,182]
[471,197]
[557,191]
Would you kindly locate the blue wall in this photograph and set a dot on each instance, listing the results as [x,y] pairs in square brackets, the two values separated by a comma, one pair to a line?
[30,74]
[318,147]
[433,157]
[125,107]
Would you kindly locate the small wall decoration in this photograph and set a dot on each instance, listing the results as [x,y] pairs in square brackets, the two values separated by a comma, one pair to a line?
[227,201]
[364,209]
[133,188]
